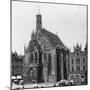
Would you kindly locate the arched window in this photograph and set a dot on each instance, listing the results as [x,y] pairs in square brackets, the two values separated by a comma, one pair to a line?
[31,58]
[77,53]
[35,57]
[72,61]
[49,64]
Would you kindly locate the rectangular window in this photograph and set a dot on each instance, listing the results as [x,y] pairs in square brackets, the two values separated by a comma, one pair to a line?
[12,67]
[17,66]
[84,68]
[72,61]
[78,61]
[78,68]
[72,68]
[83,59]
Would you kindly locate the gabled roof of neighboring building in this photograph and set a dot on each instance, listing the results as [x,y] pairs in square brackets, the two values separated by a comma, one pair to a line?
[54,39]
[86,46]
[16,57]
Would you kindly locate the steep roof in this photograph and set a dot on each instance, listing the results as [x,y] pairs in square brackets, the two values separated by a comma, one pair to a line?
[86,46]
[54,39]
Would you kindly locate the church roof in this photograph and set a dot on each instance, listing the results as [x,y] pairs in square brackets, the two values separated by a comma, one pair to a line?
[54,39]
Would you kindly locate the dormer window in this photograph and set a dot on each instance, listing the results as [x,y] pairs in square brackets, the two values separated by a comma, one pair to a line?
[77,53]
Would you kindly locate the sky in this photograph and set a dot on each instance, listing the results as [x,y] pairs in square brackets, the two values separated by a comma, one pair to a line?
[69,22]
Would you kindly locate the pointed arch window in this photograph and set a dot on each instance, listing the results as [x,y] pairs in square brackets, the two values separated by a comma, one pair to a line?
[49,64]
[31,58]
[35,57]
[72,61]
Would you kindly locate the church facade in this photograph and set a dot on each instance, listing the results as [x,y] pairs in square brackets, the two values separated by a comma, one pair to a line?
[46,57]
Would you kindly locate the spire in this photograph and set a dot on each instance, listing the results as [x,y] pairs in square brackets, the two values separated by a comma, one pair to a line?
[32,35]
[74,47]
[24,48]
[38,21]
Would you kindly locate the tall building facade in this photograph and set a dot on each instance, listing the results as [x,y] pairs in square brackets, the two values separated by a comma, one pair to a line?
[78,64]
[17,64]
[46,57]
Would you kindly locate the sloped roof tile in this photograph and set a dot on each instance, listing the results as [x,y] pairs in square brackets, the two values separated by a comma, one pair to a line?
[54,39]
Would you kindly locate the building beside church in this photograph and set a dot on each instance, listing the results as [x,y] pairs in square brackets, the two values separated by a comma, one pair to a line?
[17,64]
[78,64]
[46,57]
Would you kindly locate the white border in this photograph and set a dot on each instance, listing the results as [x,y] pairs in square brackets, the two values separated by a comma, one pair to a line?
[5,43]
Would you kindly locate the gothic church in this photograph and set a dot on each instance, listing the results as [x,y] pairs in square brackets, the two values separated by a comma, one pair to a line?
[46,57]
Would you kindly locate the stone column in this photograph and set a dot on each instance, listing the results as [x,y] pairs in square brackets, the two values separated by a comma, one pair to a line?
[53,68]
[45,69]
[42,58]
[45,73]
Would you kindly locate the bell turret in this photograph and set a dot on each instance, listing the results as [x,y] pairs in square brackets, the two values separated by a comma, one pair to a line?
[38,21]
[77,47]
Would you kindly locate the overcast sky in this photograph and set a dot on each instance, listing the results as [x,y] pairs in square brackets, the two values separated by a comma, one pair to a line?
[69,21]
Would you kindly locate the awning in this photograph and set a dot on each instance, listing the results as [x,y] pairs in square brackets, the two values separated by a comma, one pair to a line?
[13,77]
[19,77]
